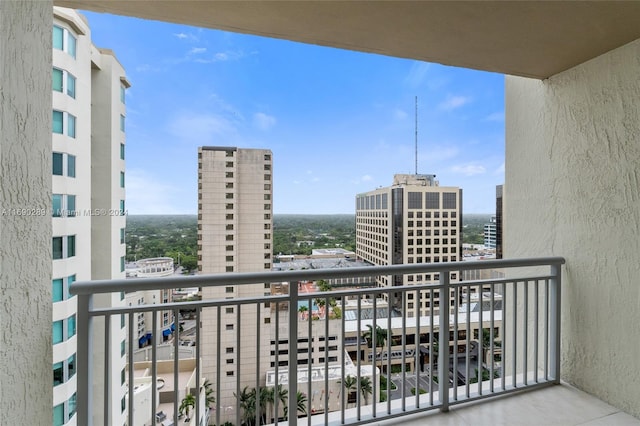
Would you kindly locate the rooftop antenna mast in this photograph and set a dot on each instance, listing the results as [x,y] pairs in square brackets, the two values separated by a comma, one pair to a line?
[416,134]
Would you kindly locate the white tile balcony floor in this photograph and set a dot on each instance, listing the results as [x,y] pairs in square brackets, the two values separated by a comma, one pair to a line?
[553,405]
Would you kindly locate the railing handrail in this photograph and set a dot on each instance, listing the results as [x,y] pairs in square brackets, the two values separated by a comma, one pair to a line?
[233,278]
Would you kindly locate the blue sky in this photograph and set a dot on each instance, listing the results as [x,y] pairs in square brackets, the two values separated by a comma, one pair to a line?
[338,122]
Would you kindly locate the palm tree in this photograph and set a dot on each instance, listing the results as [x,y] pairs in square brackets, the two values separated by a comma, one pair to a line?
[187,403]
[247,400]
[208,390]
[302,403]
[350,383]
[380,335]
[366,388]
[281,393]
[302,309]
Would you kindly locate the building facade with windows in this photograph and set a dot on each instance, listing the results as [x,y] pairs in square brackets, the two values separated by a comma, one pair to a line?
[88,86]
[412,221]
[235,221]
[490,233]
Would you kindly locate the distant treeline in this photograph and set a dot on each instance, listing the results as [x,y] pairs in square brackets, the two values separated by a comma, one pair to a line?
[176,235]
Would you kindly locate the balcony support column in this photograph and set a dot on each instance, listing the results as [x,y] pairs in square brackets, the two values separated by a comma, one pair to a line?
[85,360]
[292,403]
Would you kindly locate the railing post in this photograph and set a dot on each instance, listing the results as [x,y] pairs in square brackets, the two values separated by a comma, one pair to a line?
[84,351]
[443,342]
[555,291]
[292,403]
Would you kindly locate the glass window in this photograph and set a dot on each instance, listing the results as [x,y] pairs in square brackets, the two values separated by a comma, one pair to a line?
[71,126]
[121,179]
[71,86]
[122,234]
[58,36]
[122,348]
[71,45]
[122,212]
[71,326]
[71,362]
[58,292]
[56,201]
[71,245]
[57,332]
[72,405]
[71,166]
[57,121]
[122,264]
[58,373]
[122,94]
[57,80]
[58,415]
[122,151]
[122,122]
[57,248]
[57,163]
[70,280]
[71,205]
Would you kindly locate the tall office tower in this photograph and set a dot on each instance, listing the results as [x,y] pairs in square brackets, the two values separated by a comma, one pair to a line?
[234,235]
[490,233]
[412,221]
[88,196]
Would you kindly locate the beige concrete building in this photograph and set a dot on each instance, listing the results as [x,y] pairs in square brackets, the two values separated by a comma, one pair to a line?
[235,220]
[88,194]
[412,221]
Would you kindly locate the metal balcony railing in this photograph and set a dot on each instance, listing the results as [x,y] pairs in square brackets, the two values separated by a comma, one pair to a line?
[350,356]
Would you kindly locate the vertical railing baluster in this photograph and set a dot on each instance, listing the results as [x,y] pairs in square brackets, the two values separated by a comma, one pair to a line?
[535,330]
[416,346]
[456,307]
[154,368]
[326,372]
[310,355]
[293,357]
[131,386]
[504,336]
[555,289]
[257,381]
[403,336]
[374,362]
[218,367]
[176,369]
[388,348]
[514,336]
[467,385]
[546,329]
[276,377]
[359,357]
[492,337]
[431,342]
[198,395]
[343,366]
[107,366]
[239,352]
[443,363]
[480,370]
[525,334]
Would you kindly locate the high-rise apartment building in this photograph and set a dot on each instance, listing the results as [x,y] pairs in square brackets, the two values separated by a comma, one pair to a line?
[412,221]
[88,194]
[490,233]
[235,221]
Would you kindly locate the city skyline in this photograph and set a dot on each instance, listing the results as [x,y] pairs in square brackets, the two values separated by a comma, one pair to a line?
[338,122]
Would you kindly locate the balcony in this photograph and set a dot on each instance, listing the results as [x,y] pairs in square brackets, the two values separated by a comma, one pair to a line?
[360,355]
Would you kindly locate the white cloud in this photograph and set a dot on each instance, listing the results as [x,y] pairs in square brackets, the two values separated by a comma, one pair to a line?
[202,129]
[148,194]
[496,116]
[222,57]
[197,50]
[453,102]
[400,114]
[469,169]
[417,74]
[499,170]
[186,36]
[362,179]
[263,121]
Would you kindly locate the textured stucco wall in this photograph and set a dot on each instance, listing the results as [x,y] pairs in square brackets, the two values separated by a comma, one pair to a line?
[25,241]
[573,190]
